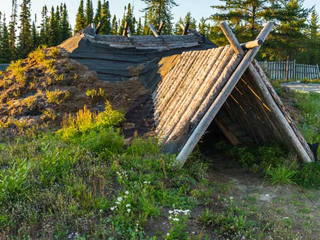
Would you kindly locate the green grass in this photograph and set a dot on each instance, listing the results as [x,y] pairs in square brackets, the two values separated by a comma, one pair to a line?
[82,179]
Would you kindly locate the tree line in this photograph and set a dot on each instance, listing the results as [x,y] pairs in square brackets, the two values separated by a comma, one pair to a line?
[296,34]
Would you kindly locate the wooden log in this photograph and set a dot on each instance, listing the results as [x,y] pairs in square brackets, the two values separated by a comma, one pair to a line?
[99,26]
[281,106]
[252,44]
[206,94]
[219,101]
[125,30]
[129,33]
[227,133]
[161,27]
[186,28]
[154,31]
[192,82]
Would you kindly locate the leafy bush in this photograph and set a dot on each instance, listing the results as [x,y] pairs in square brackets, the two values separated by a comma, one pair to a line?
[308,175]
[57,96]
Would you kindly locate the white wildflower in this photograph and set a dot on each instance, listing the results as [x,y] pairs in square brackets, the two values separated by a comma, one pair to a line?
[128,205]
[113,208]
[119,199]
[176,219]
[128,210]
[170,211]
[127,192]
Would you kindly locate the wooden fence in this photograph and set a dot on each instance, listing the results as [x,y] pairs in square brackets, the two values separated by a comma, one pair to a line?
[3,67]
[290,70]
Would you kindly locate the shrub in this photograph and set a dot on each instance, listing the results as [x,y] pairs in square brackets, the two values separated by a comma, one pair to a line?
[308,175]
[85,121]
[281,174]
[18,71]
[57,96]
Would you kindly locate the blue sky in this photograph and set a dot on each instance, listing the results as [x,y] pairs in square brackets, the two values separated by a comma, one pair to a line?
[198,8]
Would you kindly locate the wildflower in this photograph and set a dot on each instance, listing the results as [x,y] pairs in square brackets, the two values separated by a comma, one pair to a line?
[169,217]
[168,234]
[176,219]
[128,210]
[119,199]
[170,211]
[117,203]
[127,192]
[113,208]
[128,205]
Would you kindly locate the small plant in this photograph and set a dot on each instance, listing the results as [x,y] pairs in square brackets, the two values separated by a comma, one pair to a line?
[281,174]
[54,52]
[57,96]
[59,78]
[50,114]
[93,93]
[30,101]
[178,219]
[18,71]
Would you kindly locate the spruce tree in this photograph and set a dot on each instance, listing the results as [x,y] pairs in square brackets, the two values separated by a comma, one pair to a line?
[130,17]
[44,26]
[89,13]
[57,19]
[243,16]
[203,27]
[12,29]
[188,19]
[114,25]
[53,29]
[80,20]
[98,15]
[289,35]
[106,19]
[34,35]
[160,10]
[25,29]
[312,50]
[65,25]
[139,27]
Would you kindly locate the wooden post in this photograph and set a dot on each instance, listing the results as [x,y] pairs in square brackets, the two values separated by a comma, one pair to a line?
[293,139]
[287,68]
[252,44]
[155,33]
[129,33]
[161,27]
[99,27]
[224,94]
[186,28]
[125,30]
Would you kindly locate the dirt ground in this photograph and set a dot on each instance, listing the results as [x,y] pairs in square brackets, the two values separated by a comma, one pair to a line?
[303,87]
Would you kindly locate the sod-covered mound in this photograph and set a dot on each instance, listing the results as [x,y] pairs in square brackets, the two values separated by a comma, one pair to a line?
[46,86]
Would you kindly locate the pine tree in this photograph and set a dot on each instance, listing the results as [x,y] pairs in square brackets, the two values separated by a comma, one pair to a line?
[89,13]
[12,29]
[188,19]
[312,51]
[80,20]
[122,22]
[106,19]
[44,26]
[287,38]
[25,29]
[243,16]
[139,27]
[53,29]
[203,27]
[65,25]
[131,19]
[57,19]
[98,15]
[114,25]
[34,35]
[160,10]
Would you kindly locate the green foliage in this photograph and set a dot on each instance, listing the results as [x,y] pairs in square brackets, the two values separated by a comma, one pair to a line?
[57,96]
[281,174]
[86,121]
[308,175]
[231,222]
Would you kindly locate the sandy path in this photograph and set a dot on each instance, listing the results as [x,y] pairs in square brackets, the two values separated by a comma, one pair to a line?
[303,87]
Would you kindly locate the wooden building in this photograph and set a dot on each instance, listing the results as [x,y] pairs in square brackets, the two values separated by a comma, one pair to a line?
[193,84]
